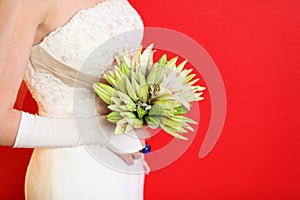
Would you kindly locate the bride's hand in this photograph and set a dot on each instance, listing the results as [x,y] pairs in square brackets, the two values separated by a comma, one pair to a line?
[129,158]
[143,134]
[126,146]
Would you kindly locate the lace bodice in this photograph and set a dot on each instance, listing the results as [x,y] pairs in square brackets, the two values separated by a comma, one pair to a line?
[73,43]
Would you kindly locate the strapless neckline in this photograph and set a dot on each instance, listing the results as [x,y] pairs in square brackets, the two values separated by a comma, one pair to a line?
[69,21]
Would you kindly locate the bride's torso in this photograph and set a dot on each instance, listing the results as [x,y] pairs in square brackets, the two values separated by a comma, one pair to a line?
[100,28]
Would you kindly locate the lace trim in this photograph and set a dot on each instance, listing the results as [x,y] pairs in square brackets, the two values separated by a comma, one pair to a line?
[70,20]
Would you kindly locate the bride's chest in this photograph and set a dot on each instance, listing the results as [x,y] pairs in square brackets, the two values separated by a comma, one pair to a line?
[109,26]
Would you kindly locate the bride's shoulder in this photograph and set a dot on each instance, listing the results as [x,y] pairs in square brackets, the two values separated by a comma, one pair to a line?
[34,9]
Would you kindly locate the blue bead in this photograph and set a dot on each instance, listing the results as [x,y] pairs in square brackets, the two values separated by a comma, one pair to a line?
[146,149]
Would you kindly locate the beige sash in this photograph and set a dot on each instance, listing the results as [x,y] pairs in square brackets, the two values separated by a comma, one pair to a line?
[43,62]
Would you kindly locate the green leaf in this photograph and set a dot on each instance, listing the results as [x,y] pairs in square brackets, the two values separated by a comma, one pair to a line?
[141,112]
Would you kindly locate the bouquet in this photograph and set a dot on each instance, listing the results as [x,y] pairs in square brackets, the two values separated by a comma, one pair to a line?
[141,92]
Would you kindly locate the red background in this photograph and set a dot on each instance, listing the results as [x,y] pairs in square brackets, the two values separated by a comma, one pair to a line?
[255,45]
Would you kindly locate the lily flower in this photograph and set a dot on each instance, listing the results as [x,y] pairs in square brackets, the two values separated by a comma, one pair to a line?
[157,94]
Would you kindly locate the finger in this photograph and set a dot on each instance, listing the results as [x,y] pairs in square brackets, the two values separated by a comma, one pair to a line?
[127,158]
[136,155]
[143,142]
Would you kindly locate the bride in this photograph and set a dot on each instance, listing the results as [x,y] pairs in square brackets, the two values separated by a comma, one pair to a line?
[76,154]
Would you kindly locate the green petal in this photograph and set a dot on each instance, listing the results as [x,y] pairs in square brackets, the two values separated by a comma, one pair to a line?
[193,81]
[182,118]
[105,93]
[131,107]
[172,132]
[180,110]
[110,79]
[172,123]
[145,58]
[166,103]
[143,93]
[156,74]
[138,123]
[119,129]
[189,77]
[163,60]
[171,63]
[125,69]
[116,100]
[181,65]
[116,108]
[114,117]
[152,121]
[130,90]
[158,110]
[125,98]
[128,114]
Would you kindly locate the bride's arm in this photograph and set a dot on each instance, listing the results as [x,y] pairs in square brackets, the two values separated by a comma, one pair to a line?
[18,21]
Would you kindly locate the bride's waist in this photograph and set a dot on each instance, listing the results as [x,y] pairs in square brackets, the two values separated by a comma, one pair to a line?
[76,108]
[83,157]
[71,156]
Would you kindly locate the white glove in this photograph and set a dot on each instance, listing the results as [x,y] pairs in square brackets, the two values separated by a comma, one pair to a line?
[46,132]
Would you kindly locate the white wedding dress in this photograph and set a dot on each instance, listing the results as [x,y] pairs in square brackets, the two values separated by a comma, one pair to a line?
[77,172]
